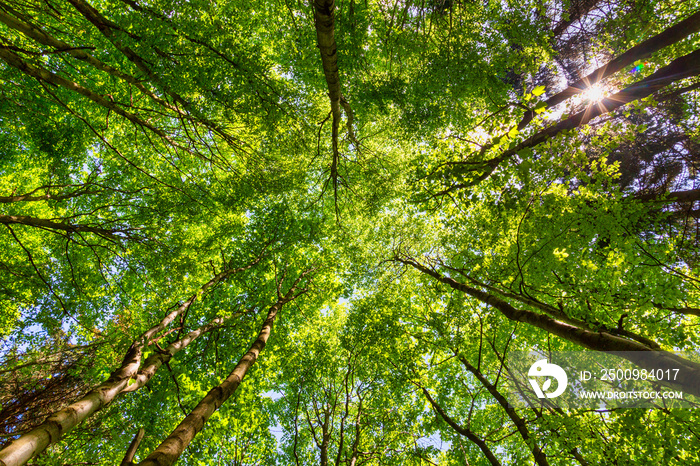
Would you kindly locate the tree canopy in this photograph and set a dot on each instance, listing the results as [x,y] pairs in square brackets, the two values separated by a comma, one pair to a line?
[283,232]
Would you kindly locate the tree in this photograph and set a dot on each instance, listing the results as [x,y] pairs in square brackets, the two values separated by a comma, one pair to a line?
[408,192]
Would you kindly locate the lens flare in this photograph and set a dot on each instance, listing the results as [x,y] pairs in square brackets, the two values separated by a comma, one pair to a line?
[594,94]
[639,68]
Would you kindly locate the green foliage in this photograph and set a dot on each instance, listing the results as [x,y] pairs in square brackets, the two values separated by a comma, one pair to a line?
[170,141]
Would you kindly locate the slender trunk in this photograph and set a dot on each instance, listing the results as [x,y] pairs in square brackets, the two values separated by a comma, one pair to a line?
[30,197]
[341,430]
[358,431]
[464,431]
[537,453]
[172,447]
[107,28]
[325,439]
[296,430]
[221,276]
[641,51]
[58,424]
[156,360]
[201,118]
[577,455]
[131,451]
[678,92]
[690,311]
[561,316]
[324,20]
[688,378]
[43,75]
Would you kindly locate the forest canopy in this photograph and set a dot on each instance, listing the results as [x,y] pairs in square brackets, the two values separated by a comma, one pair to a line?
[291,233]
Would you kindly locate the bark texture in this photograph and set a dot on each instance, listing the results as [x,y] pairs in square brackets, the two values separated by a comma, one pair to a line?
[561,316]
[324,21]
[50,431]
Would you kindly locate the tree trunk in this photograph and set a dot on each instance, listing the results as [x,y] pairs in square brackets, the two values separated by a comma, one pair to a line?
[464,431]
[67,227]
[107,28]
[325,438]
[172,447]
[58,424]
[156,360]
[690,195]
[131,451]
[560,315]
[689,311]
[44,75]
[83,189]
[50,431]
[324,20]
[641,51]
[688,378]
[537,453]
[680,68]
[40,36]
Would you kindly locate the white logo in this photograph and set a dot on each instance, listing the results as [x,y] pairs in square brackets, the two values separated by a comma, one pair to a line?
[543,369]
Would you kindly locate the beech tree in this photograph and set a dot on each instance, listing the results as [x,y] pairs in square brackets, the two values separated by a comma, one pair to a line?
[315,232]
